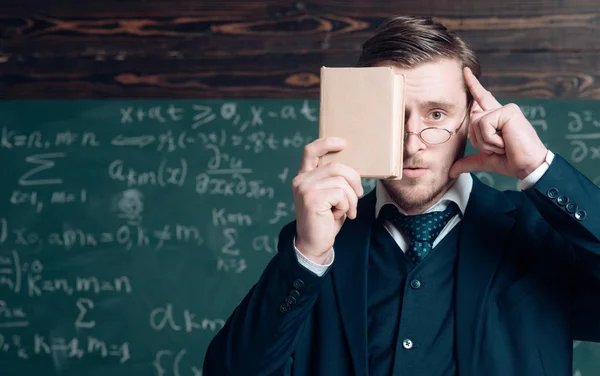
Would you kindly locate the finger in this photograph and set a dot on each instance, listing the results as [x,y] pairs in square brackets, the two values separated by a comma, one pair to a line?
[483,97]
[477,134]
[481,145]
[317,149]
[333,175]
[338,201]
[490,139]
[339,182]
[489,134]
[469,163]
[476,108]
[472,133]
[338,169]
[488,149]
[483,135]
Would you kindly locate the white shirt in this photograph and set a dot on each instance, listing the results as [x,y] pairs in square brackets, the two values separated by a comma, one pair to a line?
[459,193]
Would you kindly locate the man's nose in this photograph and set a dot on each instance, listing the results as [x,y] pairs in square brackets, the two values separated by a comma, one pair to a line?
[412,141]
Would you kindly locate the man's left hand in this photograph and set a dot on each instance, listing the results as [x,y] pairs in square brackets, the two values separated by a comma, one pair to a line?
[508,143]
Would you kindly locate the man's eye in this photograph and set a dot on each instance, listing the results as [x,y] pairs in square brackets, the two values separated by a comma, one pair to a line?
[436,115]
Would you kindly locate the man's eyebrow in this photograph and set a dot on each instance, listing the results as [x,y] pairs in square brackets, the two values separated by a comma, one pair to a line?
[438,104]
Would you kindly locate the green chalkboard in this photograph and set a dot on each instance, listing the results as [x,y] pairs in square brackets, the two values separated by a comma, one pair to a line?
[130,229]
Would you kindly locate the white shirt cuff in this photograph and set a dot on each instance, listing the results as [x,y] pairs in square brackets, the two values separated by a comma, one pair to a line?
[318,269]
[533,178]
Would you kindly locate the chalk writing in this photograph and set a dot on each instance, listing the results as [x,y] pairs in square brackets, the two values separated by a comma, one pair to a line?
[78,348]
[41,345]
[14,139]
[163,318]
[168,362]
[37,285]
[44,162]
[536,116]
[231,259]
[84,305]
[236,185]
[282,212]
[130,115]
[266,243]
[127,236]
[37,199]
[12,317]
[27,276]
[580,119]
[220,217]
[582,150]
[163,176]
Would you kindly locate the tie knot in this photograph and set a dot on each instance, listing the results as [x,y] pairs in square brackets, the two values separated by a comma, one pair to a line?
[422,227]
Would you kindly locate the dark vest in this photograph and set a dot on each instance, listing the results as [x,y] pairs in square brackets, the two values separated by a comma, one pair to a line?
[410,308]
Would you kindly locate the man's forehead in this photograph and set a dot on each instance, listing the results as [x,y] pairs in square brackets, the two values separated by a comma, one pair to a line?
[451,67]
[435,85]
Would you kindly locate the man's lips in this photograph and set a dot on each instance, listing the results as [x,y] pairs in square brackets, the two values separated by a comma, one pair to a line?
[413,171]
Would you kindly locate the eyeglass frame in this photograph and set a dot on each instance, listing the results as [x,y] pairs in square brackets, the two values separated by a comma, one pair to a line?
[451,133]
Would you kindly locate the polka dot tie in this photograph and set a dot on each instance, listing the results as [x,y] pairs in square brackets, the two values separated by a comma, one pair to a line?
[422,229]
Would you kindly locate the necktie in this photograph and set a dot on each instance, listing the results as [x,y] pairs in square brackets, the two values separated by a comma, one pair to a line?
[422,229]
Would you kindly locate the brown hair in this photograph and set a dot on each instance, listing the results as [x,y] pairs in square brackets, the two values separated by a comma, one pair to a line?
[408,41]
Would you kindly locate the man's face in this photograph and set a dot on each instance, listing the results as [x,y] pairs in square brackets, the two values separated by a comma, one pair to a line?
[434,97]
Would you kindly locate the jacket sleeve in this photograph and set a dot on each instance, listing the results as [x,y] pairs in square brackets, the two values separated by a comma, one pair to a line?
[260,335]
[570,203]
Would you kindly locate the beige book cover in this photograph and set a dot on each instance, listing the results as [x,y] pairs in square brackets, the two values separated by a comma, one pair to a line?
[364,106]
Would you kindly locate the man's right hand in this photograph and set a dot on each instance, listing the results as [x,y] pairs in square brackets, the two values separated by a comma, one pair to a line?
[324,196]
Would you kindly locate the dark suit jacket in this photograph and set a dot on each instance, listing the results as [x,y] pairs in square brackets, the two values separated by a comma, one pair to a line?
[527,285]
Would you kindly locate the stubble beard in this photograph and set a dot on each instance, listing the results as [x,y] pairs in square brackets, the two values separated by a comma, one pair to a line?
[418,194]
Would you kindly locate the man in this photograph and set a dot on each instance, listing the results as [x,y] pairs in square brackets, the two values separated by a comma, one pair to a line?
[434,274]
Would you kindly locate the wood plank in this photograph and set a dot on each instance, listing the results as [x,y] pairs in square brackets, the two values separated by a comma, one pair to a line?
[515,75]
[245,8]
[193,37]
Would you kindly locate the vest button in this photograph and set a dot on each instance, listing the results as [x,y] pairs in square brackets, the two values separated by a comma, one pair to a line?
[407,344]
[415,284]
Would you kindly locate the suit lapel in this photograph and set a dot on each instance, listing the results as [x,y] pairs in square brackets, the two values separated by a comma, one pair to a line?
[486,225]
[349,274]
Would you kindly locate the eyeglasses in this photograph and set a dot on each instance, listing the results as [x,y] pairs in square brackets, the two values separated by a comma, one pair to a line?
[434,135]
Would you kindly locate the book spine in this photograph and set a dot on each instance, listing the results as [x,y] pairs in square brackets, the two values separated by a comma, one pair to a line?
[322,104]
[400,124]
[396,138]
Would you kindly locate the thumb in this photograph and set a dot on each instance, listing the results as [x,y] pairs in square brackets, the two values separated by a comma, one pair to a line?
[469,163]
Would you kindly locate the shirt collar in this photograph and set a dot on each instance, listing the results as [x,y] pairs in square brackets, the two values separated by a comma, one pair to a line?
[458,193]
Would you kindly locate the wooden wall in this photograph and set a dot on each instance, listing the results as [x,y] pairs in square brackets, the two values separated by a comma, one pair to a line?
[274,48]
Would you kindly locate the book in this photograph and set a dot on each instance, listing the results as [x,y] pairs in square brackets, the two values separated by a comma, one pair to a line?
[364,106]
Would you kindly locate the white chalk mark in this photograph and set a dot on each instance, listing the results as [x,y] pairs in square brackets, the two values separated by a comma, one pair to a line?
[230,171]
[588,136]
[14,324]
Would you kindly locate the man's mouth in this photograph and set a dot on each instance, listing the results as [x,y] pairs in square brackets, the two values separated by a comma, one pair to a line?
[413,171]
